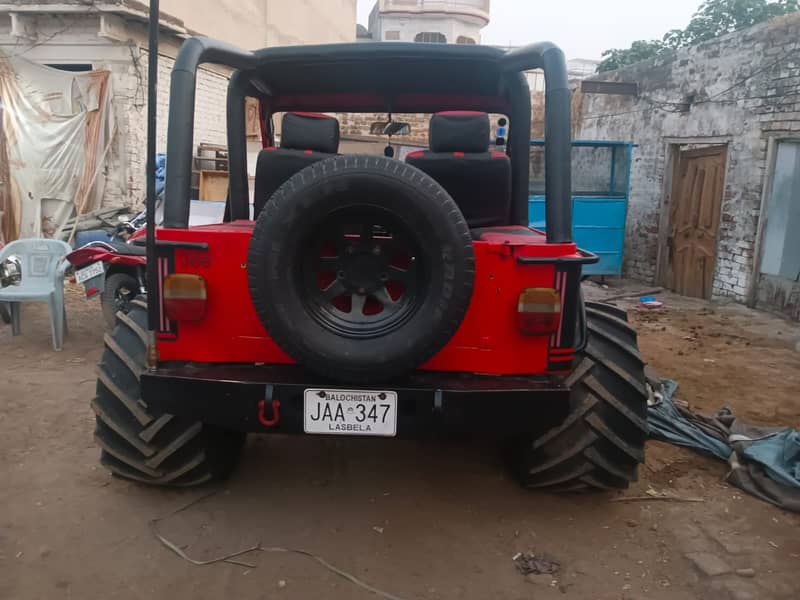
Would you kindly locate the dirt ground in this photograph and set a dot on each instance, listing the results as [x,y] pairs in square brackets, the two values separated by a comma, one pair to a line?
[431,520]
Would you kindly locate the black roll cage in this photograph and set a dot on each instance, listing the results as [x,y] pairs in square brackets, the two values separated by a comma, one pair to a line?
[247,81]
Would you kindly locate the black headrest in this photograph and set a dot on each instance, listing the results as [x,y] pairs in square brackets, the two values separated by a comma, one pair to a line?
[310,131]
[459,131]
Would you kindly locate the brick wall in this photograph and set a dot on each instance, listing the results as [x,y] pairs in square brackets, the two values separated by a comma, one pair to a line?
[358,124]
[209,116]
[740,89]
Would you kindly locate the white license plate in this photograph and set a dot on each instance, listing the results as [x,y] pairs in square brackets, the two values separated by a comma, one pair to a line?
[86,273]
[350,412]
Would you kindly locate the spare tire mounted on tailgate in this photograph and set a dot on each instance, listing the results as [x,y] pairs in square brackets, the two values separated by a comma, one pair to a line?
[361,268]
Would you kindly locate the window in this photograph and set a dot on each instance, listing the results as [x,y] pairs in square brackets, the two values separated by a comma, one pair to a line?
[392,36]
[781,244]
[462,39]
[430,37]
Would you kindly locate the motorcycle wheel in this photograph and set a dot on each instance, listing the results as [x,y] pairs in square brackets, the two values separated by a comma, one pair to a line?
[120,290]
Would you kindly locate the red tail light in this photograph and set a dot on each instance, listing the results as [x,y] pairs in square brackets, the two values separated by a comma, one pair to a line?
[539,311]
[185,297]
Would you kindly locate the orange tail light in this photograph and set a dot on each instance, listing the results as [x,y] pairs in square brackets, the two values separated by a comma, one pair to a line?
[185,297]
[539,311]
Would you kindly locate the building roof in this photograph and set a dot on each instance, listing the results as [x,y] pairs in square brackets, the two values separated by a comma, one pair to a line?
[129,9]
[474,9]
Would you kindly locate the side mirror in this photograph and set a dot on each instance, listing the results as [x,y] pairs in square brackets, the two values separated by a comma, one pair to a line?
[390,128]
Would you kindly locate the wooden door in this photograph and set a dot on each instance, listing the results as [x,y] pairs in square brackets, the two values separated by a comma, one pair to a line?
[695,215]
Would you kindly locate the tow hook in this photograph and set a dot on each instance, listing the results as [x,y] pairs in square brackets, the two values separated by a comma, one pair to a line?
[276,404]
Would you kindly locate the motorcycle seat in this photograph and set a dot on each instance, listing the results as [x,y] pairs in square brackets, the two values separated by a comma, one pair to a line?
[129,249]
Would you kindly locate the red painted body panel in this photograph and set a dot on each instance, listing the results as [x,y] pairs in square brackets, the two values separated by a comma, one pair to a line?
[488,340]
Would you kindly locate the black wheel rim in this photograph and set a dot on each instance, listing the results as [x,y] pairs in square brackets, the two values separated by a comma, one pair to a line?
[362,274]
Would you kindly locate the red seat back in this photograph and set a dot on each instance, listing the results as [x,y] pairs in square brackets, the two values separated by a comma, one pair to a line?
[459,159]
[306,138]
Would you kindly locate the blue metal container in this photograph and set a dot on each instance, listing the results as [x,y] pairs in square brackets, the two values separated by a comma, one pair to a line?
[600,192]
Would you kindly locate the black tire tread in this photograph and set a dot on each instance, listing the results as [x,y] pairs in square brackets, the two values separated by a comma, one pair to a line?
[610,309]
[620,327]
[138,445]
[126,358]
[618,341]
[600,443]
[149,432]
[133,326]
[105,380]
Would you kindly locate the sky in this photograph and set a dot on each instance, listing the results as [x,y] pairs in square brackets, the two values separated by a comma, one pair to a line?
[582,28]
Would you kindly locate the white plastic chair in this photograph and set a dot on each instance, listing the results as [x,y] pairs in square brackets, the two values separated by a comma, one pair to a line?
[43,267]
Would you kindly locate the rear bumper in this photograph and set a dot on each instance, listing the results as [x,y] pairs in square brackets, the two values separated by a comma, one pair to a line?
[428,402]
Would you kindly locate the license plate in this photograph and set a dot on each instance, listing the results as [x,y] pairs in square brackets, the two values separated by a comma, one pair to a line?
[350,412]
[86,273]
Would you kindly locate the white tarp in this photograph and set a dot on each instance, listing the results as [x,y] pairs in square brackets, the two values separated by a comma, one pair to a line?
[58,128]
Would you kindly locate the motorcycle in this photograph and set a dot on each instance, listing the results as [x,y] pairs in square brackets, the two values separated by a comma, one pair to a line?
[113,269]
[10,274]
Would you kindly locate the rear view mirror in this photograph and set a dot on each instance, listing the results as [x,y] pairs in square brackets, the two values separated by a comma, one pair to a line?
[377,127]
[390,128]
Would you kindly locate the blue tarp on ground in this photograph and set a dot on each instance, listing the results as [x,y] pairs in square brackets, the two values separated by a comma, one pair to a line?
[765,461]
[779,454]
[670,424]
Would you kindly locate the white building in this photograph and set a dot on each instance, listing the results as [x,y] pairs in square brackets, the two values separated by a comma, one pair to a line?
[431,21]
[447,22]
[577,70]
[109,38]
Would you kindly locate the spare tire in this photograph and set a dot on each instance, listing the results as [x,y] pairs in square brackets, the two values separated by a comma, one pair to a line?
[361,268]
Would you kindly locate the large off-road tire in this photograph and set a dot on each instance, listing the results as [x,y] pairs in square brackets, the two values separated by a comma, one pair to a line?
[361,268]
[137,444]
[601,442]
[119,291]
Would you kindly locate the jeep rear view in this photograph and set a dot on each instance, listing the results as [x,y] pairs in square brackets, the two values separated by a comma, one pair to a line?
[372,295]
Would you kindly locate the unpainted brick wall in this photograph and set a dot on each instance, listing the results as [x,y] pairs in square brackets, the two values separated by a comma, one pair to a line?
[358,124]
[740,89]
[209,116]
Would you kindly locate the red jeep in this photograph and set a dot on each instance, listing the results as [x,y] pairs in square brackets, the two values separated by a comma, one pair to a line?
[372,295]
